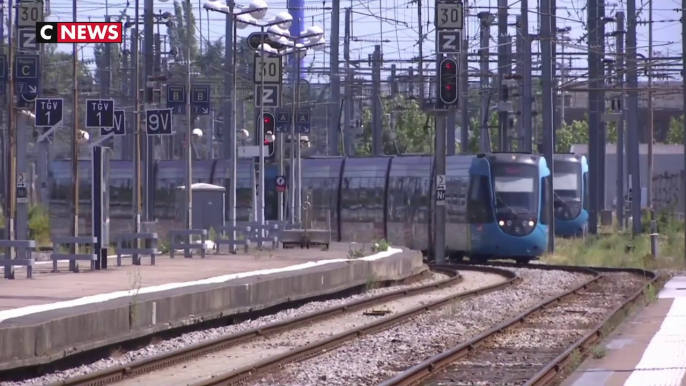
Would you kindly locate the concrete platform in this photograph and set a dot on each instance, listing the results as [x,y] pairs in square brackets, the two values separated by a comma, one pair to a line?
[649,349]
[59,314]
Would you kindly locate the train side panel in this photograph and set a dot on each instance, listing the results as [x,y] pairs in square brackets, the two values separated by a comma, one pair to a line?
[321,180]
[363,199]
[457,227]
[409,202]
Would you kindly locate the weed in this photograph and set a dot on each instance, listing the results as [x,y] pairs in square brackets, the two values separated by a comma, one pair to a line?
[355,250]
[651,294]
[598,352]
[163,246]
[372,282]
[622,250]
[575,358]
[39,225]
[212,235]
[380,246]
[135,283]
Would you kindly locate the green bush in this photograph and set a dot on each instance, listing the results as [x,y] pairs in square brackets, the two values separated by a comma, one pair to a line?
[39,225]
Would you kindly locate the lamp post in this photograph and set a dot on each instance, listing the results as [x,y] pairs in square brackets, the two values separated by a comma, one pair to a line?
[242,18]
[315,35]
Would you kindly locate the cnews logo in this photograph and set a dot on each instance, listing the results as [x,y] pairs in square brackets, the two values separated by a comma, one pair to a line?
[53,32]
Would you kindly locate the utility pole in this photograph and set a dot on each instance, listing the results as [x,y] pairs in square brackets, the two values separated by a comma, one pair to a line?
[620,36]
[546,41]
[683,96]
[651,131]
[602,132]
[503,61]
[335,77]
[484,85]
[126,63]
[3,131]
[525,95]
[377,109]
[137,112]
[10,164]
[106,75]
[632,118]
[593,115]
[420,67]
[347,123]
[450,132]
[148,147]
[464,94]
[229,103]
[74,143]
[189,122]
[439,145]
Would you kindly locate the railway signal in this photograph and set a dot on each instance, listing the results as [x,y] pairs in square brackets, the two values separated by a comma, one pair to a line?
[448,78]
[269,131]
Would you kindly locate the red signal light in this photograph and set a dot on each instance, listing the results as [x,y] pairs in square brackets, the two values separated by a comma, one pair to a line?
[267,120]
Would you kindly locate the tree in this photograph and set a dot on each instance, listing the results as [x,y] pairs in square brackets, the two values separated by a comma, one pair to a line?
[407,129]
[675,135]
[179,30]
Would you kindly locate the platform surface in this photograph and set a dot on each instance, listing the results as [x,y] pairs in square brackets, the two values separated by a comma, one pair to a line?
[649,349]
[47,287]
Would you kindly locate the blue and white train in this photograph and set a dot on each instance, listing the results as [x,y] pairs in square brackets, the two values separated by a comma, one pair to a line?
[570,181]
[495,203]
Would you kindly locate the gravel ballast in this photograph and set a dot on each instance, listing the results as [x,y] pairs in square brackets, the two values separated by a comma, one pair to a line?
[375,358]
[191,338]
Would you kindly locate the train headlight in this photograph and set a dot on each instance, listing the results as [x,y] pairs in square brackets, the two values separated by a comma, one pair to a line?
[531,223]
[501,223]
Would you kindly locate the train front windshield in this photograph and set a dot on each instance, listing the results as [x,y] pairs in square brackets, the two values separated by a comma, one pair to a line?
[567,182]
[515,189]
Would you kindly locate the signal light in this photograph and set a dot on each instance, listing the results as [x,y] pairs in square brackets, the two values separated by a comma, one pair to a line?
[268,122]
[448,82]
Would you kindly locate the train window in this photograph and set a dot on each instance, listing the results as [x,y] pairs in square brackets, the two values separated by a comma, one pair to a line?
[545,203]
[586,198]
[479,208]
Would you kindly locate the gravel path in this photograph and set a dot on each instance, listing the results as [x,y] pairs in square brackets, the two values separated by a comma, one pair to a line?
[375,358]
[251,352]
[201,336]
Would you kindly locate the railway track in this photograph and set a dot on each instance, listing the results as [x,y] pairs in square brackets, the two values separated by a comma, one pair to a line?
[540,344]
[135,369]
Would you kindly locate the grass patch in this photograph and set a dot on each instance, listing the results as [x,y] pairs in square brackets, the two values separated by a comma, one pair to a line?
[621,250]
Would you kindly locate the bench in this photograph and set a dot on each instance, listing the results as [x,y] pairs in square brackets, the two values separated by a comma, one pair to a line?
[267,233]
[305,237]
[183,239]
[24,250]
[73,242]
[226,236]
[134,251]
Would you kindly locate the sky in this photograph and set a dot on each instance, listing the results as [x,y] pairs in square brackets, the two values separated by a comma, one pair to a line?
[397,30]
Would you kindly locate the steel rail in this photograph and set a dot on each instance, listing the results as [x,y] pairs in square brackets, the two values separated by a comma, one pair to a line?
[143,366]
[248,373]
[429,367]
[561,363]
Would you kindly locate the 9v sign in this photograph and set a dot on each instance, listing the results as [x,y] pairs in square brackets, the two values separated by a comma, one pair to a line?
[159,122]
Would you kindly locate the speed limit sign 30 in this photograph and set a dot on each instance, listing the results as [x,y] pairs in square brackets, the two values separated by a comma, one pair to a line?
[449,15]
[29,13]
